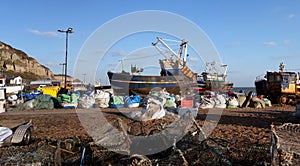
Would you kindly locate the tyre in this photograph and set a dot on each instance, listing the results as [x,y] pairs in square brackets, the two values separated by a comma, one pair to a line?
[27,137]
[282,100]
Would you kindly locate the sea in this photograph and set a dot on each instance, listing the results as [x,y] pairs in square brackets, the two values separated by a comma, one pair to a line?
[245,89]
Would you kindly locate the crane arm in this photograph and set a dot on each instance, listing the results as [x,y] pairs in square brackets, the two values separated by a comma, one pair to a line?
[173,54]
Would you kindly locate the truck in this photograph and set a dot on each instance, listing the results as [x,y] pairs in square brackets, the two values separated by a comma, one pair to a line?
[281,87]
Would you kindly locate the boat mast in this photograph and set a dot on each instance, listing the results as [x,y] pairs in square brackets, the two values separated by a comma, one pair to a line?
[122,63]
[173,54]
[183,45]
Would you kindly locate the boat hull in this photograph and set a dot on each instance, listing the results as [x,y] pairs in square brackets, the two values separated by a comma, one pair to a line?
[126,84]
[216,86]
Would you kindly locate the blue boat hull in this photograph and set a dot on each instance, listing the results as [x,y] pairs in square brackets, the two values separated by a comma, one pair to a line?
[126,84]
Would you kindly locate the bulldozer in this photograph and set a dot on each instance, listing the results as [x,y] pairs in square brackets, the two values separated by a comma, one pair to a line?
[282,87]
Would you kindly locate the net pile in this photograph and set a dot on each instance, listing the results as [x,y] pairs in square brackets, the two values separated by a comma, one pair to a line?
[285,144]
[192,149]
[46,152]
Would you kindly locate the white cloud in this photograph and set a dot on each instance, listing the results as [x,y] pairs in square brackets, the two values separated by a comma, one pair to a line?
[39,33]
[293,56]
[291,16]
[270,43]
[52,64]
[193,59]
[121,53]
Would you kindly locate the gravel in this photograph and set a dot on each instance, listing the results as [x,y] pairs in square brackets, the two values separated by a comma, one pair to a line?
[241,137]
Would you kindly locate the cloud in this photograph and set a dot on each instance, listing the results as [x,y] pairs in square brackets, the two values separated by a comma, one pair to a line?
[119,53]
[193,59]
[270,43]
[294,56]
[39,33]
[52,64]
[291,16]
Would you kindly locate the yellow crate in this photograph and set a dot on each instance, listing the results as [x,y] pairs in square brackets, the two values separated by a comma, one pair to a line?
[50,90]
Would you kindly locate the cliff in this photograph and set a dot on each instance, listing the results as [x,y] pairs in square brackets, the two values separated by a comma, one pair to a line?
[16,62]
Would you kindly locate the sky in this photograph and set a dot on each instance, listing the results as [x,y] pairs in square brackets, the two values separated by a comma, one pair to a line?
[250,36]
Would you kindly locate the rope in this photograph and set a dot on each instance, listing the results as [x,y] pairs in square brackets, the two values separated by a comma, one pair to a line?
[185,163]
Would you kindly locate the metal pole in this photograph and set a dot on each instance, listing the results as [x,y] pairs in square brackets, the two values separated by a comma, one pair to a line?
[69,30]
[66,60]
[62,72]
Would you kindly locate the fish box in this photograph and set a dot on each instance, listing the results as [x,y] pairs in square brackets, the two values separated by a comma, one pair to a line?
[187,103]
[51,90]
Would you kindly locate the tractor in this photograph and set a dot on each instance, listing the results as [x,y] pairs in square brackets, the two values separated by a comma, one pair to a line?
[281,87]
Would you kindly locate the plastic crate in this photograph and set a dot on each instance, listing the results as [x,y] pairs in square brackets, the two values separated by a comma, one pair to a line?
[187,103]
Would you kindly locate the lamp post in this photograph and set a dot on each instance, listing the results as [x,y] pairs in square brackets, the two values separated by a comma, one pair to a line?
[69,30]
[62,72]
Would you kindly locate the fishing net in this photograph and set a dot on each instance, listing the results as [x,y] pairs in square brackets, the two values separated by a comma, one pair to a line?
[43,102]
[40,102]
[189,150]
[285,144]
[46,152]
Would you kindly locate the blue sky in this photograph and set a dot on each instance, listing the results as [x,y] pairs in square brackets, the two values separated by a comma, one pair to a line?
[250,36]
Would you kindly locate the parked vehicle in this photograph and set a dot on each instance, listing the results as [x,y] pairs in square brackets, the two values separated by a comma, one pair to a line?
[280,87]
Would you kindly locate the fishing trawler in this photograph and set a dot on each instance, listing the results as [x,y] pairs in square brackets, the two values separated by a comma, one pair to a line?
[175,76]
[214,79]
